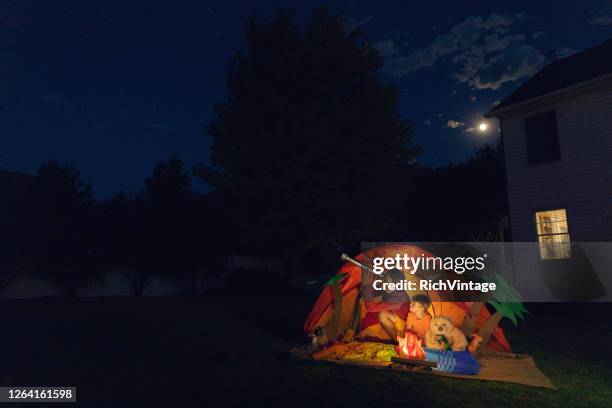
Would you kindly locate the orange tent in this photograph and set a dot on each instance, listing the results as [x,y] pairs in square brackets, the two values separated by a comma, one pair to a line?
[339,309]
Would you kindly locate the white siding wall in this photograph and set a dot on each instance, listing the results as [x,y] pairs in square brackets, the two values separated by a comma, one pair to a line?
[581,181]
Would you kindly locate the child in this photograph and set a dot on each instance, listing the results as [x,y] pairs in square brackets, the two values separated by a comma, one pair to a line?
[390,305]
[419,319]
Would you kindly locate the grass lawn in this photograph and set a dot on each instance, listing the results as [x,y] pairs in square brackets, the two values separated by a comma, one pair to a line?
[175,352]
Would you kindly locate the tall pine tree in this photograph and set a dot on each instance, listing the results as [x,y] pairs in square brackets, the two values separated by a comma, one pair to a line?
[308,149]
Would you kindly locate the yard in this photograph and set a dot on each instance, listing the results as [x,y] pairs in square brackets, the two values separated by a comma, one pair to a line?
[233,351]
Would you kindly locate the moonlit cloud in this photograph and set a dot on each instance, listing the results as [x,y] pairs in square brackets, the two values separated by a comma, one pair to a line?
[602,18]
[563,52]
[454,124]
[387,48]
[486,52]
[601,21]
[352,23]
[482,70]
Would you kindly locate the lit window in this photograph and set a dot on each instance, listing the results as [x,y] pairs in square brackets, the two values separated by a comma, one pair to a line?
[553,235]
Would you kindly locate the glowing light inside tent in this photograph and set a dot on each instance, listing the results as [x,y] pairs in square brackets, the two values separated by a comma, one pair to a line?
[410,346]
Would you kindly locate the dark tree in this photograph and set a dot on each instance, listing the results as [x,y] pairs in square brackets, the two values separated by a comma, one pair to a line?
[59,227]
[169,186]
[171,233]
[308,148]
[124,244]
[14,187]
[157,232]
[461,202]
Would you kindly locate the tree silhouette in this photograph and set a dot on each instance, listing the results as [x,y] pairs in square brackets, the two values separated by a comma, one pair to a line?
[169,186]
[124,245]
[14,187]
[308,149]
[157,232]
[460,202]
[171,233]
[59,227]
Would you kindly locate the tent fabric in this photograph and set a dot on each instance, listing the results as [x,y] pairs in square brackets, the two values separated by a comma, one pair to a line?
[371,318]
[350,286]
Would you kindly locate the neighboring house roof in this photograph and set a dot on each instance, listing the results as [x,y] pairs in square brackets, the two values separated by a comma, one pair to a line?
[580,67]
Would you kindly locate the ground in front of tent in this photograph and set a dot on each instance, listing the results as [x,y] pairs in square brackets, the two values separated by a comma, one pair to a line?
[232,351]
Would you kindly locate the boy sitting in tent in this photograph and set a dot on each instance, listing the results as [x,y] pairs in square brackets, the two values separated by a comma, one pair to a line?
[419,319]
[389,308]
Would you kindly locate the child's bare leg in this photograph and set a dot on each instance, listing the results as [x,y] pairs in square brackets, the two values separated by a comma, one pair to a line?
[387,321]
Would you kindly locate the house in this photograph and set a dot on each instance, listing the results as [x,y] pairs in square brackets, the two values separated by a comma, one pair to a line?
[557,136]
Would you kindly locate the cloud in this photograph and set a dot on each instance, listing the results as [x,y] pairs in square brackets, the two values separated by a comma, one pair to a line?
[427,122]
[602,18]
[387,48]
[352,23]
[514,61]
[454,124]
[483,50]
[563,52]
[470,130]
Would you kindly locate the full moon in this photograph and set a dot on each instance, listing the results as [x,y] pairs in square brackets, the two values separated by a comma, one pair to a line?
[483,127]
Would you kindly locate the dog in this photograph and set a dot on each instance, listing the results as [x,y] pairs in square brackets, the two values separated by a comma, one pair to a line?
[443,335]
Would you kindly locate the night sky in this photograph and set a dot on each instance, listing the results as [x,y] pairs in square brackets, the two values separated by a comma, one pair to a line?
[115,88]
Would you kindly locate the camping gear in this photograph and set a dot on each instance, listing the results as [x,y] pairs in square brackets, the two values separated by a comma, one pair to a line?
[355,262]
[336,307]
[454,362]
[340,303]
[410,346]
[357,351]
[494,366]
[447,361]
[414,362]
[354,325]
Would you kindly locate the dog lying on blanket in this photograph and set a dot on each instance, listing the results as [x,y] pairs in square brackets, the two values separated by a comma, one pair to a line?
[443,335]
